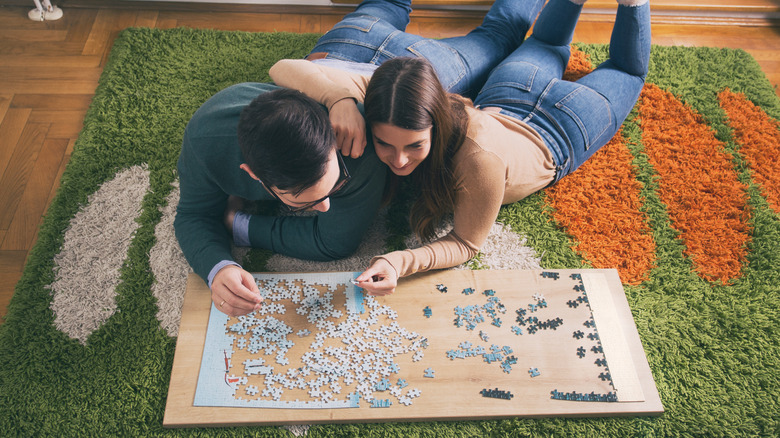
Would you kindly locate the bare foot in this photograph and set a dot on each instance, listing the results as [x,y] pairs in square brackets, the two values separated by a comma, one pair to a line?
[234,205]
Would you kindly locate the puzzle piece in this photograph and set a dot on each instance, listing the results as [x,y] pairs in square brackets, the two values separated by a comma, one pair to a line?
[376,403]
[534,372]
[576,396]
[496,393]
[252,390]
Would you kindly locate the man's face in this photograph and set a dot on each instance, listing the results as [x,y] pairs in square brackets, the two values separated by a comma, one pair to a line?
[317,197]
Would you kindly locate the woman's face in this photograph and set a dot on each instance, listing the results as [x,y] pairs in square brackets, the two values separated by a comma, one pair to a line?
[401,149]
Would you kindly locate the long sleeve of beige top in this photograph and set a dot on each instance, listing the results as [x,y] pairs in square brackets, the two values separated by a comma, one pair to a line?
[502,160]
[324,84]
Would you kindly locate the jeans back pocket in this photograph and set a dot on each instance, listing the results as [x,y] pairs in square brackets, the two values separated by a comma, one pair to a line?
[589,110]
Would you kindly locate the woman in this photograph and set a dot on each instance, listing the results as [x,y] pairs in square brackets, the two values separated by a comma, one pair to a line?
[527,129]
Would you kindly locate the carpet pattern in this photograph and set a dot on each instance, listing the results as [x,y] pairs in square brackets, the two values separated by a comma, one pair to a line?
[683,202]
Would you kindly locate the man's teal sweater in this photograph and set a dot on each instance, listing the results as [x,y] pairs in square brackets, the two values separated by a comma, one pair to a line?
[209,172]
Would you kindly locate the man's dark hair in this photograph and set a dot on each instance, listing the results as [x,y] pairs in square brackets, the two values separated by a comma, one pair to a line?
[286,139]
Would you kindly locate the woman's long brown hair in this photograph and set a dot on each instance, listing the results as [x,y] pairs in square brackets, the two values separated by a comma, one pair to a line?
[405,92]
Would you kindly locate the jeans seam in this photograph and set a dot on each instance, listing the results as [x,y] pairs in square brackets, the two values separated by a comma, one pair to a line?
[343,41]
[374,21]
[561,105]
[381,48]
[462,70]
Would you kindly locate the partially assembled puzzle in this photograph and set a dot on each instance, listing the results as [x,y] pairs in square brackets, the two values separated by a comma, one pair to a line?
[446,345]
[317,342]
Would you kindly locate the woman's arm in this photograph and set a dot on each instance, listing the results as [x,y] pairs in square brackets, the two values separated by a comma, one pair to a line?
[338,90]
[326,85]
[480,179]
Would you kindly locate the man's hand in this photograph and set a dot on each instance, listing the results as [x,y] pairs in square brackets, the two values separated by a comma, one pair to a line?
[349,126]
[379,279]
[235,292]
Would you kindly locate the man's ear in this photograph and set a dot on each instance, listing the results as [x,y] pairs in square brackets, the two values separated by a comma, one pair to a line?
[245,168]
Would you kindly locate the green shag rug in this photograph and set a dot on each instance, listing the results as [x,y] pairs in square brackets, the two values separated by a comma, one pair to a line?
[80,360]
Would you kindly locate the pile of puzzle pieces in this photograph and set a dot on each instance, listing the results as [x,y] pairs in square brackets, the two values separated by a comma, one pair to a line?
[363,357]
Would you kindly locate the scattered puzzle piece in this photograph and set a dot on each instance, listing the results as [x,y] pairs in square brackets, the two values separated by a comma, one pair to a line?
[496,393]
[576,396]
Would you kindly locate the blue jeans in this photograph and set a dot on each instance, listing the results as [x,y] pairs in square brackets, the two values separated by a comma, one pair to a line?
[375,32]
[574,118]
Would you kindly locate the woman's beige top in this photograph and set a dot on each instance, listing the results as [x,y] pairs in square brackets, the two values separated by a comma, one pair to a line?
[501,161]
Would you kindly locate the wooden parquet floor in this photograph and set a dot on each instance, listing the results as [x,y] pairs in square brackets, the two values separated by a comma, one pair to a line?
[49,71]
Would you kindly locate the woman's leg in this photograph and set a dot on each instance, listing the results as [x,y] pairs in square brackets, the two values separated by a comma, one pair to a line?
[503,30]
[374,33]
[361,35]
[522,77]
[620,78]
[575,118]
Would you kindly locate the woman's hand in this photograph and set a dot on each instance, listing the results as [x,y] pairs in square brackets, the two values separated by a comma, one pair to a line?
[235,292]
[349,126]
[379,279]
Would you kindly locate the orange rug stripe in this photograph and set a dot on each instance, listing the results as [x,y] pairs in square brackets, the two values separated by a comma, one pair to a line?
[758,136]
[705,200]
[606,222]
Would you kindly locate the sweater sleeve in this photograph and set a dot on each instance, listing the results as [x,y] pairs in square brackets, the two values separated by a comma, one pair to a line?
[324,84]
[480,182]
[198,224]
[333,234]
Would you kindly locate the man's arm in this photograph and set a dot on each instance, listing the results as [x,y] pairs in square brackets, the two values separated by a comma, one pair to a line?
[202,236]
[204,240]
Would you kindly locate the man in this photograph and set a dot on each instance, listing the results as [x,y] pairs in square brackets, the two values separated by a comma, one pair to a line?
[260,142]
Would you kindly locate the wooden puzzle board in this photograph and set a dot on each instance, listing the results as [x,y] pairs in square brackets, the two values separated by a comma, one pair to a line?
[604,361]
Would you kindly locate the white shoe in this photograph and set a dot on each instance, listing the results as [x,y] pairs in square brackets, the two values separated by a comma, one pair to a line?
[43,15]
[54,14]
[35,15]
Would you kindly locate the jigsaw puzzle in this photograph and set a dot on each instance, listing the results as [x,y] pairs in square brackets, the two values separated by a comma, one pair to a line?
[513,343]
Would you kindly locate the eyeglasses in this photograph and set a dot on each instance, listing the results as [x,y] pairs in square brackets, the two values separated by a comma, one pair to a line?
[344,178]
